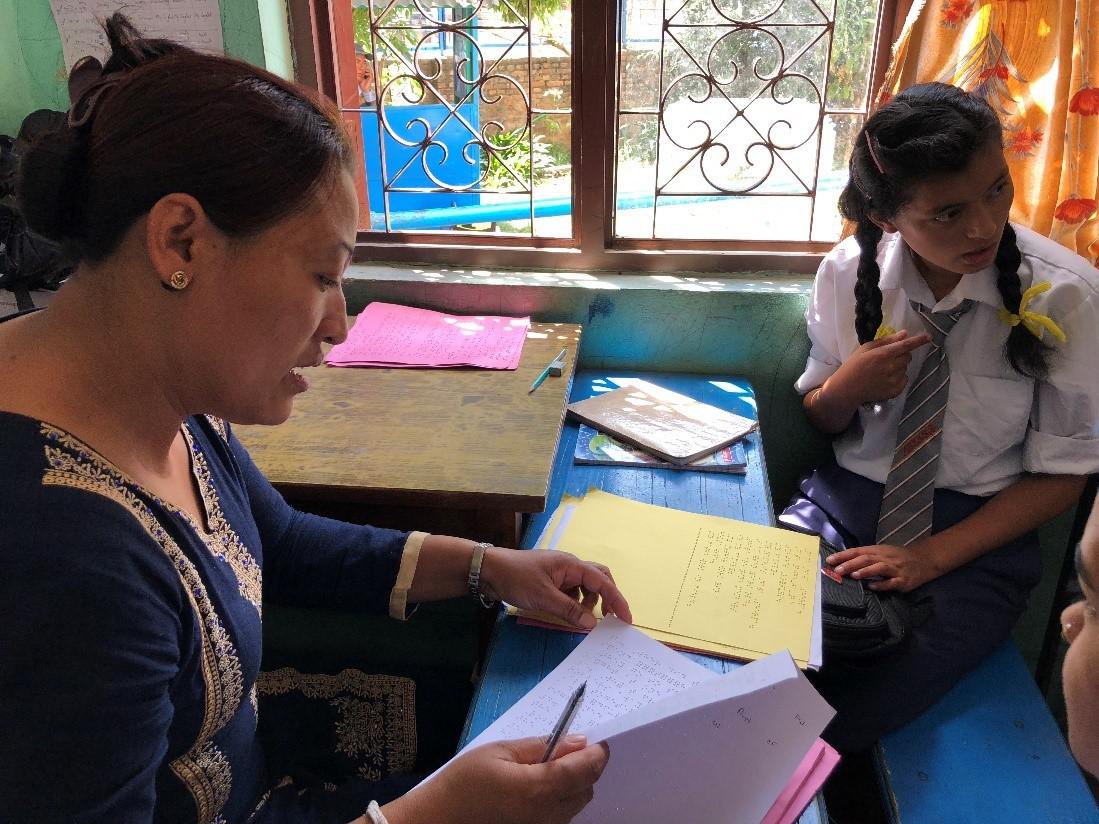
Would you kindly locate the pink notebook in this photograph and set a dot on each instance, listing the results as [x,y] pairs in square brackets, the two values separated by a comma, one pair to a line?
[806,781]
[386,334]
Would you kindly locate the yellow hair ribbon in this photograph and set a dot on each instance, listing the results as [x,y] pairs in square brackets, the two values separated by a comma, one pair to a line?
[1034,322]
[884,331]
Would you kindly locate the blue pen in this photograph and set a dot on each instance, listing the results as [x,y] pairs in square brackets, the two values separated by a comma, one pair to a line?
[558,362]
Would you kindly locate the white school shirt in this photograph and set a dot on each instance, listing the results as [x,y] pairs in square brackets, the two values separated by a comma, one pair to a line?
[998,423]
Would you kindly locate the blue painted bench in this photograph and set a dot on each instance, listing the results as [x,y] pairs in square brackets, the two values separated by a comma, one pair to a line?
[988,751]
[520,656]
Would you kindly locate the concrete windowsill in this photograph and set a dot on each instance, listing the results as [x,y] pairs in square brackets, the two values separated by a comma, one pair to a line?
[768,282]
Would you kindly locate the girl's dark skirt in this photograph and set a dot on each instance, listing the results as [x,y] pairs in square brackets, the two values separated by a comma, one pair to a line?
[972,610]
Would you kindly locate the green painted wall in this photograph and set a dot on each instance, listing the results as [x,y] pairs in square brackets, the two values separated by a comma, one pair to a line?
[240,25]
[274,21]
[31,65]
[32,71]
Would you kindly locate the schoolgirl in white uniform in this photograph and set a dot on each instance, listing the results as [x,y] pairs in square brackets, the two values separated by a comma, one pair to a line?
[955,357]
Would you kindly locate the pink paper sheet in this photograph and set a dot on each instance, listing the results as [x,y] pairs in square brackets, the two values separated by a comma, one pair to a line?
[385,334]
[807,779]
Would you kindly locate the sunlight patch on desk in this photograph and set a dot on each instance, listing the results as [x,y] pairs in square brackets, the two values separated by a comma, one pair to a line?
[728,386]
[602,385]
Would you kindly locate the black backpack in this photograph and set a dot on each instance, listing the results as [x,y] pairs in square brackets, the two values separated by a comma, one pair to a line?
[27,261]
[859,623]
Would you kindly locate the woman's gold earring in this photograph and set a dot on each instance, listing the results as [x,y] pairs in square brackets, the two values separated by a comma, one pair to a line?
[179,281]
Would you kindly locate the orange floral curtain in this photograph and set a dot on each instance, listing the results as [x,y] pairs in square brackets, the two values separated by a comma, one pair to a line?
[1037,64]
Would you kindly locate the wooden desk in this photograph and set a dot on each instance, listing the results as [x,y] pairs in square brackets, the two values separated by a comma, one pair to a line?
[520,656]
[458,451]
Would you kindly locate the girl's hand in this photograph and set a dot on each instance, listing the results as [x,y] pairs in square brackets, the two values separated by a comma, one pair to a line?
[503,782]
[553,582]
[878,370]
[900,568]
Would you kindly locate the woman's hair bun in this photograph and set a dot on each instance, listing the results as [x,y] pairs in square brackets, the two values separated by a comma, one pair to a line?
[158,118]
[48,185]
[129,49]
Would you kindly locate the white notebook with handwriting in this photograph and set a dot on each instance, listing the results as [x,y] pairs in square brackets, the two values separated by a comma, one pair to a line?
[686,743]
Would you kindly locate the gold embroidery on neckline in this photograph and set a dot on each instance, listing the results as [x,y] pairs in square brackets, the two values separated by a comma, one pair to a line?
[222,540]
[203,770]
[220,426]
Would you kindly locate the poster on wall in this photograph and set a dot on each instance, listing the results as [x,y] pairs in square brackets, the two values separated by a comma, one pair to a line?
[195,23]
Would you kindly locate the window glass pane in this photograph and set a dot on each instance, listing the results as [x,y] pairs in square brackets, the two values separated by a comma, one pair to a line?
[733,218]
[553,187]
[465,111]
[723,129]
[839,137]
[852,54]
[636,182]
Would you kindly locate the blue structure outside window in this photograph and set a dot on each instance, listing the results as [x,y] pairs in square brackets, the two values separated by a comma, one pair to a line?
[456,165]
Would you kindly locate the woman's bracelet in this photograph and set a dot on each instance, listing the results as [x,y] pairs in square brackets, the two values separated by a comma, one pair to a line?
[473,581]
[374,814]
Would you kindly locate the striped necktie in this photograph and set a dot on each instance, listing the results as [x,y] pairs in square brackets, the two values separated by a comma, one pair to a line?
[906,506]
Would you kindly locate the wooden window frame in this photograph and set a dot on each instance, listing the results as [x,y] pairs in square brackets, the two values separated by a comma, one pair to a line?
[317,27]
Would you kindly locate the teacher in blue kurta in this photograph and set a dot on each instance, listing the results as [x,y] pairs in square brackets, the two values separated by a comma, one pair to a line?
[210,208]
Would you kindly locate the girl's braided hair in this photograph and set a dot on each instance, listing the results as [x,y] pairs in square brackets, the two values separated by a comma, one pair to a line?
[926,130]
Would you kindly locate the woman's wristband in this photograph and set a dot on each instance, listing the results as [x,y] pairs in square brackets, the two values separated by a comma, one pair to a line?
[473,580]
[374,814]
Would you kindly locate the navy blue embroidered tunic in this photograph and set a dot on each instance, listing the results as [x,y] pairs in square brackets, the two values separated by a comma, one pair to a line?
[130,635]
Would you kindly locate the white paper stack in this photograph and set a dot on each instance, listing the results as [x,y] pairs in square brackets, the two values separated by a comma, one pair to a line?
[686,744]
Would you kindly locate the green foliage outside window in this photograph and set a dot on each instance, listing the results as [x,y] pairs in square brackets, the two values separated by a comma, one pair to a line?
[523,154]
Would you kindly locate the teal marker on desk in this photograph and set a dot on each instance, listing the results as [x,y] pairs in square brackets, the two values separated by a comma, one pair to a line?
[555,367]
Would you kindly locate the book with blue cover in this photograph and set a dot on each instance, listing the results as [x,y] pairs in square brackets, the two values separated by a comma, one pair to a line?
[598,448]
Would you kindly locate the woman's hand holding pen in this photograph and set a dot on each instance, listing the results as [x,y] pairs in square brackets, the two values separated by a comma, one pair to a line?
[553,582]
[503,782]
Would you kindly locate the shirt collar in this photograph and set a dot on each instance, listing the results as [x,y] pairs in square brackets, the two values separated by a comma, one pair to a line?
[898,271]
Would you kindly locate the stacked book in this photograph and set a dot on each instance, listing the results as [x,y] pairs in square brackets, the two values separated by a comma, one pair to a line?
[645,425]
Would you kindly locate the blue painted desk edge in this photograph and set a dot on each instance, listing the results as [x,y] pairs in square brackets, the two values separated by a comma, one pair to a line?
[519,656]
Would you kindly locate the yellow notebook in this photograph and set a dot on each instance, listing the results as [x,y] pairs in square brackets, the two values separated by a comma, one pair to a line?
[698,582]
[669,425]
